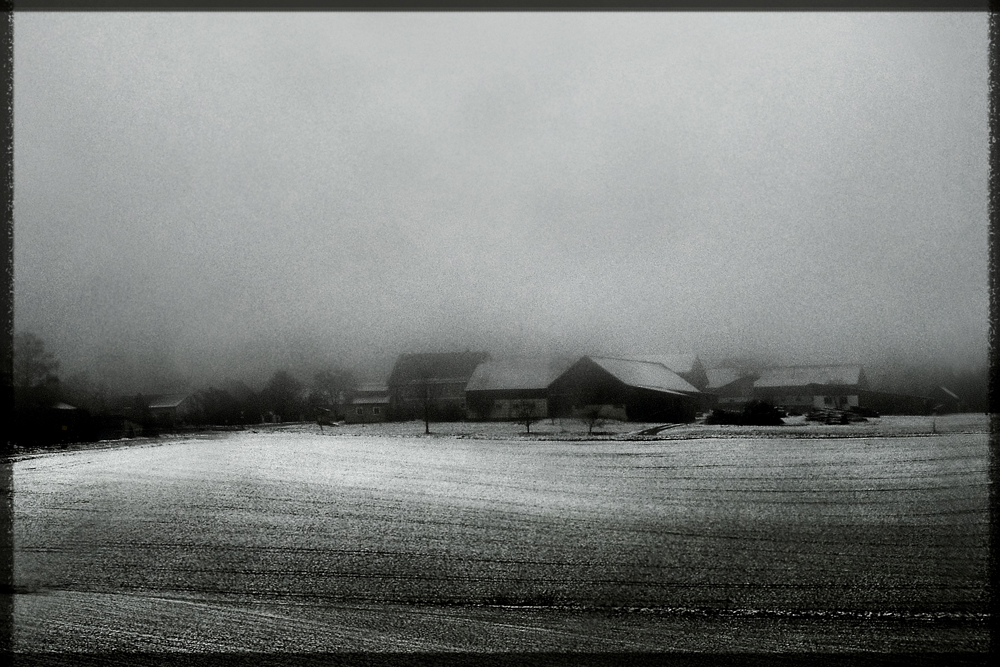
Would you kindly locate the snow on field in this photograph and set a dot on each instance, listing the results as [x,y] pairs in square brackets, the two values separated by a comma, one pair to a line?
[349,528]
[572,429]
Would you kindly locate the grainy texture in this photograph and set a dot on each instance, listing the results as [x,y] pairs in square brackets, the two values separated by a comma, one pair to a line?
[300,541]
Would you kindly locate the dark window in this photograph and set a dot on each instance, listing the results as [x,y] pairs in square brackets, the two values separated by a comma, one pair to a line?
[360,411]
[375,410]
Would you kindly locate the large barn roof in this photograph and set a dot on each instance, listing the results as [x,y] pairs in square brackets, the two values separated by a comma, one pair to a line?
[800,376]
[435,366]
[518,373]
[645,374]
[678,363]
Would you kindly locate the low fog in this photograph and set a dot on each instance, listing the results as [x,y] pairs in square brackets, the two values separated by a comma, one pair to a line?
[206,196]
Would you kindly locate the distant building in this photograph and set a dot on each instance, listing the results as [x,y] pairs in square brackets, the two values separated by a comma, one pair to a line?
[805,388]
[145,414]
[171,410]
[370,404]
[434,381]
[730,389]
[503,389]
[638,390]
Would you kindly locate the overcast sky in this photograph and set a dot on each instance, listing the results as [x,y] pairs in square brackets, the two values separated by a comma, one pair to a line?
[224,194]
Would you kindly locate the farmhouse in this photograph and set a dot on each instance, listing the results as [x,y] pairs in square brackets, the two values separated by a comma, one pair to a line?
[369,405]
[506,388]
[434,382]
[635,390]
[805,388]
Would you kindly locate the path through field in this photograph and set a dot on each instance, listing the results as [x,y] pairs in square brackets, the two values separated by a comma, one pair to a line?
[294,542]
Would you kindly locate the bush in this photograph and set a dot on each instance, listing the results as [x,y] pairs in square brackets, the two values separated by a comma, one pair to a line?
[761,413]
[722,417]
[756,413]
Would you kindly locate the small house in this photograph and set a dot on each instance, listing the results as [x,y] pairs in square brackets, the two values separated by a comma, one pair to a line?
[369,405]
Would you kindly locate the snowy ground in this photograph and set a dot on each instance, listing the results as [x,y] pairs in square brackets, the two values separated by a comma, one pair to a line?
[477,539]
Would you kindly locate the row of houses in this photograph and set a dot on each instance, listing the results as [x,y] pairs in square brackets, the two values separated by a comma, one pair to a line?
[472,385]
[657,388]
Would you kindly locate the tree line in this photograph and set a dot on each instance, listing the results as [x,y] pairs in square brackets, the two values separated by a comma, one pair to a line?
[48,409]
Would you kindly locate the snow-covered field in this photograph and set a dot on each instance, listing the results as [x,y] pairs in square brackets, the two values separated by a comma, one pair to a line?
[573,429]
[475,538]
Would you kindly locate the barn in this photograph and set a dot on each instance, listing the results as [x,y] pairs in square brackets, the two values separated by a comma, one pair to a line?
[503,389]
[644,391]
[434,382]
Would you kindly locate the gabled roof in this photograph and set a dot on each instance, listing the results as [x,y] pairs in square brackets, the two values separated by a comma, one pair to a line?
[517,373]
[411,368]
[370,400]
[720,377]
[371,388]
[947,392]
[678,363]
[165,400]
[800,376]
[645,374]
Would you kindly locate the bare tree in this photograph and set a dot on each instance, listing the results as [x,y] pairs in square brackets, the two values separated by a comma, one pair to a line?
[524,413]
[327,390]
[593,416]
